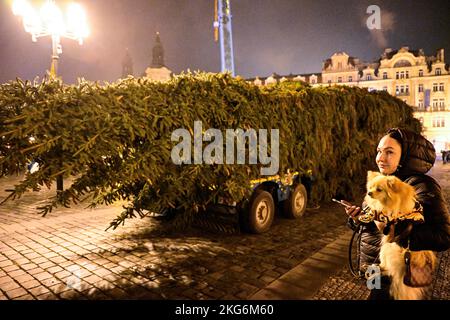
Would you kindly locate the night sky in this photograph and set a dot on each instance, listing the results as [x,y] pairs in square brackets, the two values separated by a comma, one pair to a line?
[281,36]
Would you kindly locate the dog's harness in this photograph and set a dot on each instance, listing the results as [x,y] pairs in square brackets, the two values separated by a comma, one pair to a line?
[372,215]
[416,216]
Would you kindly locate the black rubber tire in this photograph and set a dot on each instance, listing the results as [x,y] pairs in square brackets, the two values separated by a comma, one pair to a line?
[258,216]
[295,206]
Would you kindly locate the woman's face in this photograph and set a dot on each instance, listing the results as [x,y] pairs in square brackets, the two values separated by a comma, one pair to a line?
[388,157]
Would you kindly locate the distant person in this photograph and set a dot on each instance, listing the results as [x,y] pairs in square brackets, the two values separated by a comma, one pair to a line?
[444,156]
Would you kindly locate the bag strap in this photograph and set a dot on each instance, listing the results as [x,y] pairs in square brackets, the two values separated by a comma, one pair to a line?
[358,274]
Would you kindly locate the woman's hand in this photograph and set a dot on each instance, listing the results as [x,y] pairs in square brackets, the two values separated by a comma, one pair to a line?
[352,211]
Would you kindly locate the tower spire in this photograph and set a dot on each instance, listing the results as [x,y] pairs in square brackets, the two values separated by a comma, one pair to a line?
[158,53]
[127,65]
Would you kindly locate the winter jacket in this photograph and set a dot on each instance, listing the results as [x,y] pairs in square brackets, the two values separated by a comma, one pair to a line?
[418,156]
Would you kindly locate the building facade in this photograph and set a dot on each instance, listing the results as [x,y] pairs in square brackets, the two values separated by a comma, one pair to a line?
[419,80]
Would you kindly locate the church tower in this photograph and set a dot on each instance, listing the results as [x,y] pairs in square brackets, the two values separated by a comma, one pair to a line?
[157,70]
[127,65]
[158,53]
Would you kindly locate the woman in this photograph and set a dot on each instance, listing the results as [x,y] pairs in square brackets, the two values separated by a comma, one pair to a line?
[408,156]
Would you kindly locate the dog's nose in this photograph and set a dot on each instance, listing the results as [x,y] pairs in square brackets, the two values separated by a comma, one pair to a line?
[369,194]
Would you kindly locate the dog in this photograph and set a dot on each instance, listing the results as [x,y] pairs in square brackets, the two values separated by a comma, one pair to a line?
[393,200]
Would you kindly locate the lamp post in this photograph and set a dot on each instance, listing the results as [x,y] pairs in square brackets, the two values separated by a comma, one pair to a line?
[50,21]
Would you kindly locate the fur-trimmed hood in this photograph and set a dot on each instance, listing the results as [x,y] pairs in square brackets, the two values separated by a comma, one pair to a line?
[418,154]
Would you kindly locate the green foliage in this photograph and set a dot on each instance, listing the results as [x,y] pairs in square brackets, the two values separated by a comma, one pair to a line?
[116,138]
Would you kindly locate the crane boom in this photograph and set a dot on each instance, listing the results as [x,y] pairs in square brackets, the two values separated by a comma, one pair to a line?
[223,23]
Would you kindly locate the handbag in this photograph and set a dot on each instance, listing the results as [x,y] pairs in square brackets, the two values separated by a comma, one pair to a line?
[416,276]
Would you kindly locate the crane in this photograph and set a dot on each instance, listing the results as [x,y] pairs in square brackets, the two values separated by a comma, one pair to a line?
[222,26]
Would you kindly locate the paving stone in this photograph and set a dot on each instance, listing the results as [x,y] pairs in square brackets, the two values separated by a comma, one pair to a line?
[24,277]
[16,293]
[30,284]
[11,268]
[11,285]
[43,276]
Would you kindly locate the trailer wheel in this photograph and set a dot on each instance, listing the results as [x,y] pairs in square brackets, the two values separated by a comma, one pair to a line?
[258,216]
[295,206]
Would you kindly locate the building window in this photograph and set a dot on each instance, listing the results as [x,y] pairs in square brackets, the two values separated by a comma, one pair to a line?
[441,87]
[385,75]
[438,71]
[435,105]
[397,75]
[329,81]
[420,104]
[407,74]
[385,88]
[438,122]
[402,90]
[441,105]
[420,73]
[435,87]
[350,78]
[420,87]
[313,81]
[369,77]
[340,80]
[402,74]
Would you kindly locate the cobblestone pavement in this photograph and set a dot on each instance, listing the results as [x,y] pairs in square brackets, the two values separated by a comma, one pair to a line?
[343,286]
[69,255]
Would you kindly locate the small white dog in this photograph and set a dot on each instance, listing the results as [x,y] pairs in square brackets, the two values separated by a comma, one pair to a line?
[393,200]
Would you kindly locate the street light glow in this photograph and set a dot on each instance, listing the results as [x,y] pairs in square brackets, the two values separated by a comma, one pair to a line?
[49,20]
[52,19]
[77,21]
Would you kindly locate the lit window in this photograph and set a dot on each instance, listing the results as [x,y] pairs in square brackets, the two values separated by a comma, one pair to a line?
[385,75]
[369,77]
[350,78]
[339,79]
[438,71]
[420,73]
[441,87]
[420,104]
[435,87]
[420,87]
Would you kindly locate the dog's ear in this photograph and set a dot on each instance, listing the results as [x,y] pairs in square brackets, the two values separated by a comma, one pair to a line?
[372,174]
[393,184]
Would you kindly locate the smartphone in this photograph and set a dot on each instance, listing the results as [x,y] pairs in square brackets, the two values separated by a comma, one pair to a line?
[342,203]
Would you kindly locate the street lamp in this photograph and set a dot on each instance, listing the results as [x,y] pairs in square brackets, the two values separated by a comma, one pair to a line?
[49,21]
